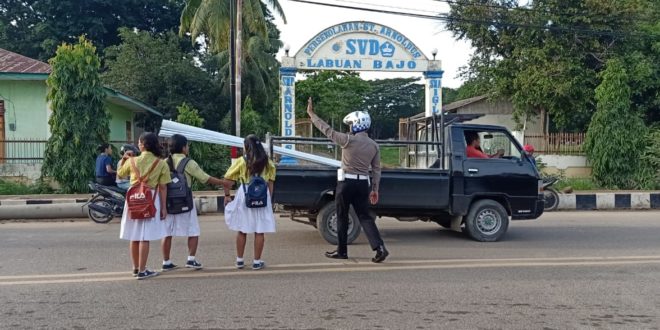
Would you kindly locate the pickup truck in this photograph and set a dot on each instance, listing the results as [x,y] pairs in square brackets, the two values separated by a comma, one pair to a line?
[474,195]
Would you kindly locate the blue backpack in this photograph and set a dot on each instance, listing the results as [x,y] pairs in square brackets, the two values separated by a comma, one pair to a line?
[256,192]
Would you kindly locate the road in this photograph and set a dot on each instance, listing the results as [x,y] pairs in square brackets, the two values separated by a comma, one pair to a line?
[568,270]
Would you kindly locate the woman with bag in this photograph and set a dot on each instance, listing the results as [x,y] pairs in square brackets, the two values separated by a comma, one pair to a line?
[147,169]
[251,211]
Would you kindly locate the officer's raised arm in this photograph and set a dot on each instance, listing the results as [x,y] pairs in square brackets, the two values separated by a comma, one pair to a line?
[338,138]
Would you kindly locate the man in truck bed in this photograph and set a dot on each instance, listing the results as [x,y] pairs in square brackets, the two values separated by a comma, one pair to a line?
[359,155]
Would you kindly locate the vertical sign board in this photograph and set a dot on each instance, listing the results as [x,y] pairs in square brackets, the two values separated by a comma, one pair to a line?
[288,92]
[433,102]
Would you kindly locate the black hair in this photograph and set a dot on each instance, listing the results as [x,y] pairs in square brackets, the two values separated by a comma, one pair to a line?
[471,136]
[177,142]
[102,147]
[255,154]
[151,144]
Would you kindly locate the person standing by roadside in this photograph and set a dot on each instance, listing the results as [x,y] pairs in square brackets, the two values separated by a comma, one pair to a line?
[184,224]
[105,174]
[130,151]
[150,165]
[239,217]
[359,155]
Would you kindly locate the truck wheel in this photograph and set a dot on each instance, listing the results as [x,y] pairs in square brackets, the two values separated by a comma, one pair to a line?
[487,221]
[326,223]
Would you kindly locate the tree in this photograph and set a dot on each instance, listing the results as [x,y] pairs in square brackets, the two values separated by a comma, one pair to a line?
[614,153]
[34,28]
[156,70]
[389,100]
[79,122]
[252,122]
[211,19]
[213,158]
[547,56]
[335,94]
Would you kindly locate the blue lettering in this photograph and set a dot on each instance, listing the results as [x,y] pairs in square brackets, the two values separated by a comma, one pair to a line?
[288,125]
[288,146]
[435,99]
[401,65]
[362,44]
[319,64]
[350,46]
[288,132]
[374,47]
[389,65]
[357,64]
[412,64]
[328,63]
[378,64]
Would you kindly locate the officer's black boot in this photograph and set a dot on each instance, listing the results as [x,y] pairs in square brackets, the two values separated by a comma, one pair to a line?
[381,254]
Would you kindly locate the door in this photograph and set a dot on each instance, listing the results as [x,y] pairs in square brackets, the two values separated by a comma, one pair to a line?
[505,172]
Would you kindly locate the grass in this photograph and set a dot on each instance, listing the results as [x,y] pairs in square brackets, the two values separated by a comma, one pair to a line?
[389,156]
[15,188]
[577,184]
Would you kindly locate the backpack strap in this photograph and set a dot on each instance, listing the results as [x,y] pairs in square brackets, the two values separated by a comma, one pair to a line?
[182,165]
[141,179]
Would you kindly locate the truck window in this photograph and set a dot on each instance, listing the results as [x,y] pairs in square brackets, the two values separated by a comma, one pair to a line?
[492,142]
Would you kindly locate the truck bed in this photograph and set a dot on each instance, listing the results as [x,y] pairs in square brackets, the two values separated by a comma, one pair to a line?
[424,190]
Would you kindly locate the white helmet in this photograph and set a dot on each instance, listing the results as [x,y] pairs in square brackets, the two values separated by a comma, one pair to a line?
[358,120]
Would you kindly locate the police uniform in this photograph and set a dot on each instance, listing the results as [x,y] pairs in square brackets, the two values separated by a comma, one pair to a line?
[360,155]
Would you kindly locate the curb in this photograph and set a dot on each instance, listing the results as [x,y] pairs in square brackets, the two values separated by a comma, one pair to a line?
[73,208]
[610,201]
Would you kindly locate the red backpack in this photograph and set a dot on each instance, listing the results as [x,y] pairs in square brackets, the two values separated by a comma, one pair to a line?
[139,196]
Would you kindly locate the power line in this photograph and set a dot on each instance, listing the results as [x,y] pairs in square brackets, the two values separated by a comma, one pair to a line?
[444,17]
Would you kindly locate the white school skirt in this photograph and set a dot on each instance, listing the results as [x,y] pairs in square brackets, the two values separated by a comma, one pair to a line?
[183,224]
[143,230]
[247,220]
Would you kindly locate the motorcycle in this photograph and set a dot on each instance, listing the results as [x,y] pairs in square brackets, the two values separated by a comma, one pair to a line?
[106,203]
[550,194]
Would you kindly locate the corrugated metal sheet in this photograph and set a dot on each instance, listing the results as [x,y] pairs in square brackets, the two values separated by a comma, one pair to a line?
[11,62]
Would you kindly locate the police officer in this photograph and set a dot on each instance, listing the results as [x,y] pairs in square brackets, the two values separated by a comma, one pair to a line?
[359,155]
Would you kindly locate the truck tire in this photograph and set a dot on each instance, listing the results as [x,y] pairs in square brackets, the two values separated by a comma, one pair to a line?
[487,221]
[326,223]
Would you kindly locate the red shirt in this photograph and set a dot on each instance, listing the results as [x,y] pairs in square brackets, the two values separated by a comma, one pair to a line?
[473,152]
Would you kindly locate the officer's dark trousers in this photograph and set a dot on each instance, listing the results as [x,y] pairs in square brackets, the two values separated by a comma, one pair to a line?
[356,193]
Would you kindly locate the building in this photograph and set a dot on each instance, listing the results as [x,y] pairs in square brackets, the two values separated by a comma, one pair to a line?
[24,112]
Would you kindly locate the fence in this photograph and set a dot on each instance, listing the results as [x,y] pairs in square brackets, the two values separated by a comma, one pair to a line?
[557,143]
[32,151]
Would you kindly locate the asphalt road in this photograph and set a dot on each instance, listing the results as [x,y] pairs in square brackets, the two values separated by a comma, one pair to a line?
[564,271]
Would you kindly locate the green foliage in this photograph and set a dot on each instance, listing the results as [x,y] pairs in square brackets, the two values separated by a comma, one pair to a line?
[389,157]
[578,184]
[213,158]
[651,156]
[252,122]
[158,71]
[79,122]
[335,94]
[15,188]
[388,100]
[615,153]
[545,56]
[35,28]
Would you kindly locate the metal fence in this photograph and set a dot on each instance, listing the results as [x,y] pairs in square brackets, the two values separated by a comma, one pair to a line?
[32,151]
[557,143]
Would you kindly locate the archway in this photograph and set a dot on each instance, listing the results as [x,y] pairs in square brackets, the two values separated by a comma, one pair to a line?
[357,46]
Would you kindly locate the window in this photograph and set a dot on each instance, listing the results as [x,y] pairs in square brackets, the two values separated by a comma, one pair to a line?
[129,131]
[492,142]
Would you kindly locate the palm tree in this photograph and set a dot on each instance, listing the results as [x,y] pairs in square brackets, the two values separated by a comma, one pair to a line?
[211,18]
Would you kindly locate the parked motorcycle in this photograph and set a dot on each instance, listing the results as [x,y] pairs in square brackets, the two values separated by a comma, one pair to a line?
[550,194]
[106,203]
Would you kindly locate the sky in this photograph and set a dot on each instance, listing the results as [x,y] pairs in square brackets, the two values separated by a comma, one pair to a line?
[306,20]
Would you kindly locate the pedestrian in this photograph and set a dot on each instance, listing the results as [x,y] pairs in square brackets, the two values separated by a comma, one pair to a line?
[360,154]
[131,151]
[529,149]
[105,174]
[182,223]
[139,232]
[256,219]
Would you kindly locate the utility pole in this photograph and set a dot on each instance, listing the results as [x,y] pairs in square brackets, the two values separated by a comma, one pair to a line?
[232,65]
[238,43]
